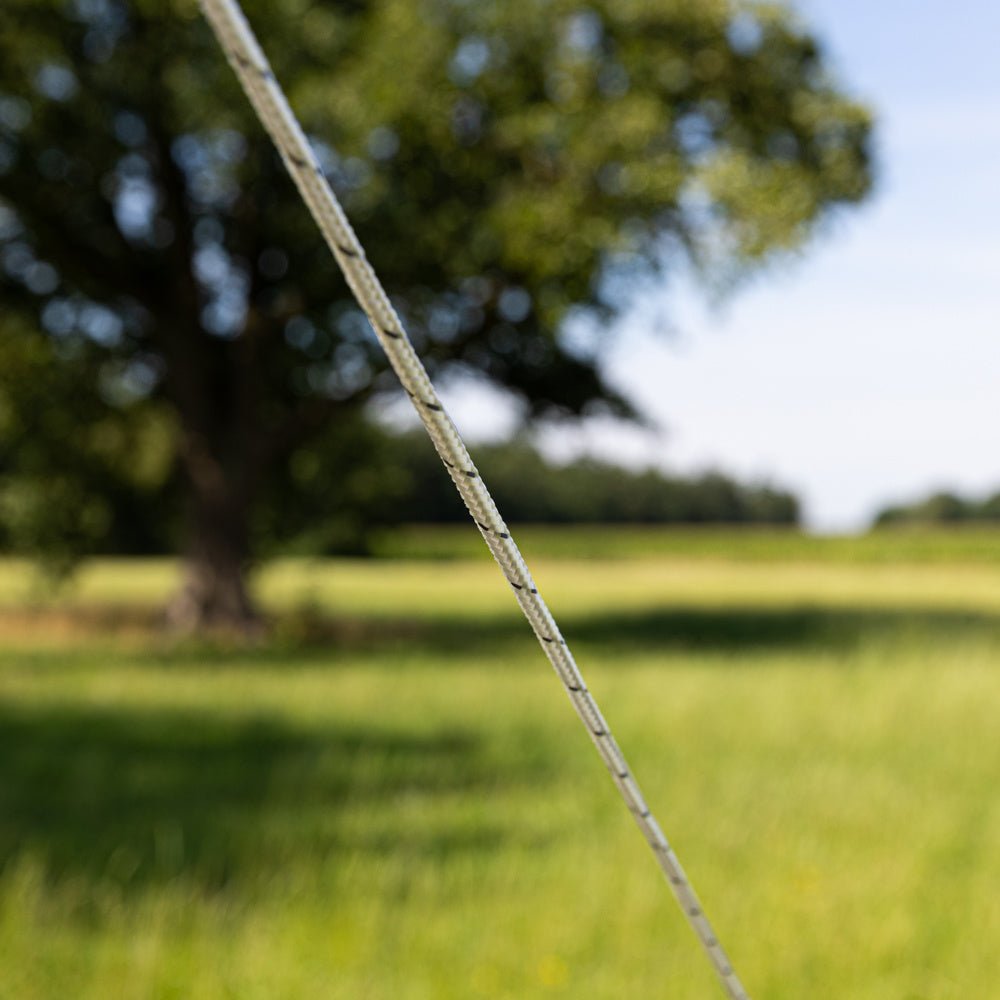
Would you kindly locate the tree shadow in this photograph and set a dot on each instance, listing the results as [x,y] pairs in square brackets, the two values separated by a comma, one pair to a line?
[728,629]
[315,638]
[137,796]
[666,628]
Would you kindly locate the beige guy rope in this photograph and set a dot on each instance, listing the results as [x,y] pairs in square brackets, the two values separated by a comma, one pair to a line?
[251,66]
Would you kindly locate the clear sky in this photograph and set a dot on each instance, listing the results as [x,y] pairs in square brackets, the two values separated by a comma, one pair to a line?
[869,370]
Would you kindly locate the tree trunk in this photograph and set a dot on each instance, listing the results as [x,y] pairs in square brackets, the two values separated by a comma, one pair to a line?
[214,594]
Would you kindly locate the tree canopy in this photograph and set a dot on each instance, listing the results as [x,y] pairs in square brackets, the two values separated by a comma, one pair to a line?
[584,491]
[941,508]
[174,333]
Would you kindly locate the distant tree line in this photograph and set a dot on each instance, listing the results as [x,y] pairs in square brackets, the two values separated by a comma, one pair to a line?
[941,508]
[528,489]
[394,479]
[350,483]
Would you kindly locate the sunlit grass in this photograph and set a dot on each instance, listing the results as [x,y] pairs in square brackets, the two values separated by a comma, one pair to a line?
[392,797]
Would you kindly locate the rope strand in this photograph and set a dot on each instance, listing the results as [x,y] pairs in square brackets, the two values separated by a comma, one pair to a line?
[247,59]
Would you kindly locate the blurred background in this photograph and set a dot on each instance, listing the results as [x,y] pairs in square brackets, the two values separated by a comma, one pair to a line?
[709,287]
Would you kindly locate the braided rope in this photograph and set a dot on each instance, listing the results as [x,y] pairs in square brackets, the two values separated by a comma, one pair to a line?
[243,52]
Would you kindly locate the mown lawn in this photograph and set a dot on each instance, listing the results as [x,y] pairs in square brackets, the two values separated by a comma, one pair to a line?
[391,797]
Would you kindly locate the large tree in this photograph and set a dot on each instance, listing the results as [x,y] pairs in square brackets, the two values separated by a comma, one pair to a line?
[173,330]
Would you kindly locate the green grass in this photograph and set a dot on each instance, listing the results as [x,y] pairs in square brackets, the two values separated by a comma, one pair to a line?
[970,542]
[392,798]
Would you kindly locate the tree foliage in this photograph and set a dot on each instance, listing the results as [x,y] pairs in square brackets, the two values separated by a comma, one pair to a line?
[530,490]
[174,331]
[941,508]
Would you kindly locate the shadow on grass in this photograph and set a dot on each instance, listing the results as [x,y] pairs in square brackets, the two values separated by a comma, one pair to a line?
[762,629]
[313,639]
[668,628]
[140,796]
[133,796]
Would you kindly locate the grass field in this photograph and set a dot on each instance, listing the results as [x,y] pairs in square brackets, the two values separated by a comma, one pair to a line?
[392,798]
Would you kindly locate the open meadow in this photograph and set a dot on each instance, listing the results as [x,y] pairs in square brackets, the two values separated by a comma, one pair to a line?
[391,797]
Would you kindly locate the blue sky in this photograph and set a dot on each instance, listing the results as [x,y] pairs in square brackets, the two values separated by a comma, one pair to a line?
[868,370]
